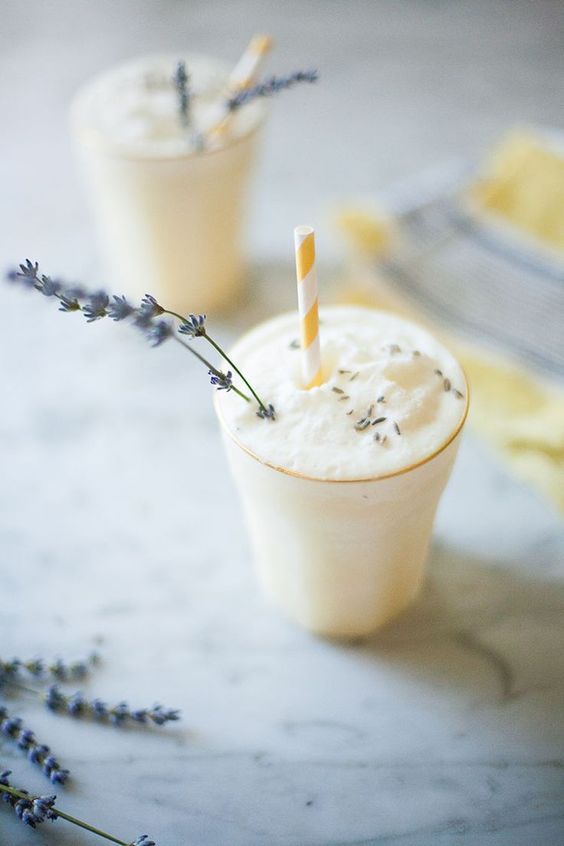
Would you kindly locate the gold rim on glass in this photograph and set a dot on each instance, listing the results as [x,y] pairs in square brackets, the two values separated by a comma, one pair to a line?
[400,472]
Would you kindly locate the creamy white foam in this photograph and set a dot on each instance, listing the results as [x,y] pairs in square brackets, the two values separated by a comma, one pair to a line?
[133,108]
[376,365]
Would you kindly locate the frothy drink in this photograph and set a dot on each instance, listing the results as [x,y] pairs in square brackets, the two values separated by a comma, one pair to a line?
[340,492]
[170,214]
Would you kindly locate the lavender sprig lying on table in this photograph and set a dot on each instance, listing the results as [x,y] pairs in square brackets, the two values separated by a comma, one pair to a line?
[37,753]
[269,87]
[34,810]
[95,306]
[78,706]
[36,668]
[75,704]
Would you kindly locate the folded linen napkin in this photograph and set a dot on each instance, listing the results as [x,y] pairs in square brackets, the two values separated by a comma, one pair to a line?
[481,261]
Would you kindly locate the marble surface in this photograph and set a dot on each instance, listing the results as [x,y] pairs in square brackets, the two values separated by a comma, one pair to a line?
[119,526]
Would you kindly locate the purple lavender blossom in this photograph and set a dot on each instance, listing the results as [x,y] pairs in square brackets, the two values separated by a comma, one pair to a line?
[34,810]
[119,309]
[68,304]
[14,669]
[49,287]
[181,80]
[78,706]
[30,810]
[150,307]
[37,753]
[222,381]
[96,306]
[269,87]
[27,273]
[193,325]
[266,412]
[158,332]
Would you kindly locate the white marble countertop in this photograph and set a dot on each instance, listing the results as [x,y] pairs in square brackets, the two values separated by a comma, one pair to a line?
[119,526]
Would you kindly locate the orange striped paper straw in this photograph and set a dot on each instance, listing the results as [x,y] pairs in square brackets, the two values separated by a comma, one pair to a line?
[304,240]
[244,74]
[246,70]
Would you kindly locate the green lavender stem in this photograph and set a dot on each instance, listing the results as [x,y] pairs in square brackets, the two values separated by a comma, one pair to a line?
[18,794]
[213,369]
[223,355]
[236,369]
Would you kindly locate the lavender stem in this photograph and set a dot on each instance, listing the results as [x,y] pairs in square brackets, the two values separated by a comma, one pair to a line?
[18,794]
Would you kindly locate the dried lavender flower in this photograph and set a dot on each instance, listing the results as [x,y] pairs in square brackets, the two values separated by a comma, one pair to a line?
[119,309]
[49,287]
[269,87]
[37,753]
[95,306]
[223,381]
[69,304]
[27,273]
[30,810]
[33,810]
[150,307]
[266,412]
[159,332]
[78,706]
[11,671]
[181,80]
[193,326]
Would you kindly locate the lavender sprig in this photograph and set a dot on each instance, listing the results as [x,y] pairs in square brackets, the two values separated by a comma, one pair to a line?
[13,670]
[77,705]
[37,753]
[195,327]
[34,810]
[181,80]
[30,810]
[119,309]
[223,382]
[99,305]
[269,87]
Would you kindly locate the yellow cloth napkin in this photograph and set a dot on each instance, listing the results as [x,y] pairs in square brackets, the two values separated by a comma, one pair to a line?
[521,418]
[522,184]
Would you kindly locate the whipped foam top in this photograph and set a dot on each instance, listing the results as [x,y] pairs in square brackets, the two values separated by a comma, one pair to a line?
[133,108]
[392,395]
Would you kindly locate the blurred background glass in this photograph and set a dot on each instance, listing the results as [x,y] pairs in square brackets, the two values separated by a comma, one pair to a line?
[403,85]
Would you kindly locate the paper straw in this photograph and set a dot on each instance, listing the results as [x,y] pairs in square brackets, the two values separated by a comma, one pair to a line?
[244,74]
[246,70]
[304,240]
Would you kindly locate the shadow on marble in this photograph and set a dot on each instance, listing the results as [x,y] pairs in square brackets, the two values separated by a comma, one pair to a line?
[486,630]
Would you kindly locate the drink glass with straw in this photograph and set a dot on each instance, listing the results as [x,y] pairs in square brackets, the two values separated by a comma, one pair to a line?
[340,555]
[170,216]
